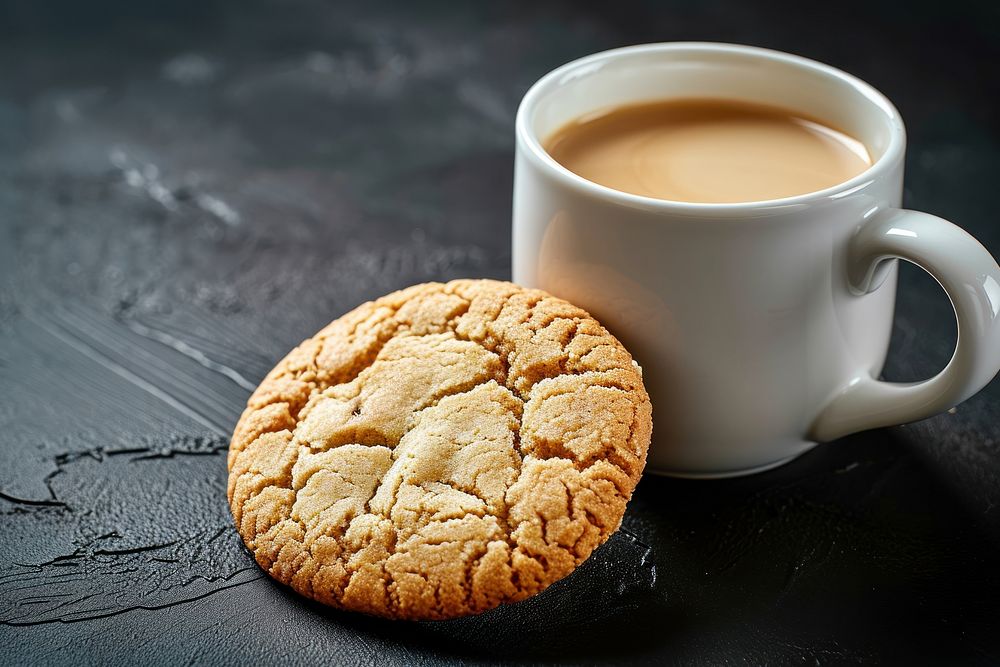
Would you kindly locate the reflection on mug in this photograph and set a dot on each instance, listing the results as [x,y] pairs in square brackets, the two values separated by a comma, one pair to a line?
[634,314]
[625,306]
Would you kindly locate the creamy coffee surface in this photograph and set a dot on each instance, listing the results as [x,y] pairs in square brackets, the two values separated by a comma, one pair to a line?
[707,150]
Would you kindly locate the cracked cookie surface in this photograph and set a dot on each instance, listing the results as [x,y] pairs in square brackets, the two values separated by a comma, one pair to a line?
[440,451]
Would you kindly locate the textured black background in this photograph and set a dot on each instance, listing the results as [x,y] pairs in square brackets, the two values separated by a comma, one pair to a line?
[188,189]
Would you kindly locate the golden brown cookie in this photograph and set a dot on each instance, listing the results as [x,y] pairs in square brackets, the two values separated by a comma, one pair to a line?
[440,451]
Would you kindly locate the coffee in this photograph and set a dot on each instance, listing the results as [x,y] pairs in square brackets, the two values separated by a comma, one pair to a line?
[707,150]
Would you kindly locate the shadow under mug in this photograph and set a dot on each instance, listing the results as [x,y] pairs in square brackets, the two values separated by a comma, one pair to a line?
[761,327]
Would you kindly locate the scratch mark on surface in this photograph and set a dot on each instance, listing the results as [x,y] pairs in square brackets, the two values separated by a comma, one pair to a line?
[48,590]
[76,341]
[105,613]
[145,177]
[189,351]
[179,446]
[646,559]
[31,503]
[109,568]
[218,208]
[171,453]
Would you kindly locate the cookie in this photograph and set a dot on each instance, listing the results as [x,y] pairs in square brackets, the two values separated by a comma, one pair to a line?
[440,451]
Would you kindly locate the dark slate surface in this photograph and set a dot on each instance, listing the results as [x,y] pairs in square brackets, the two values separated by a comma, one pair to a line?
[187,192]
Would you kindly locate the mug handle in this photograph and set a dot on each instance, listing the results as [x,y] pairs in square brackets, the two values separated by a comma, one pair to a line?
[970,277]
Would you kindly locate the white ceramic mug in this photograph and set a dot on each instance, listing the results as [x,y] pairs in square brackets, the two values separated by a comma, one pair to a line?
[761,327]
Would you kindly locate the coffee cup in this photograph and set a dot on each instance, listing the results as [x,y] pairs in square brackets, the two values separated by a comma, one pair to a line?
[762,326]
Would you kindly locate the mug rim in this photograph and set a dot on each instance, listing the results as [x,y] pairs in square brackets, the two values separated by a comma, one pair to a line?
[527,139]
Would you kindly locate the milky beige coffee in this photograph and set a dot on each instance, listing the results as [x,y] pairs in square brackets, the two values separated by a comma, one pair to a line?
[707,150]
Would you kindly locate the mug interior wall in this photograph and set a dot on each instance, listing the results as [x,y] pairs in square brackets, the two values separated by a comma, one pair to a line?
[701,72]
